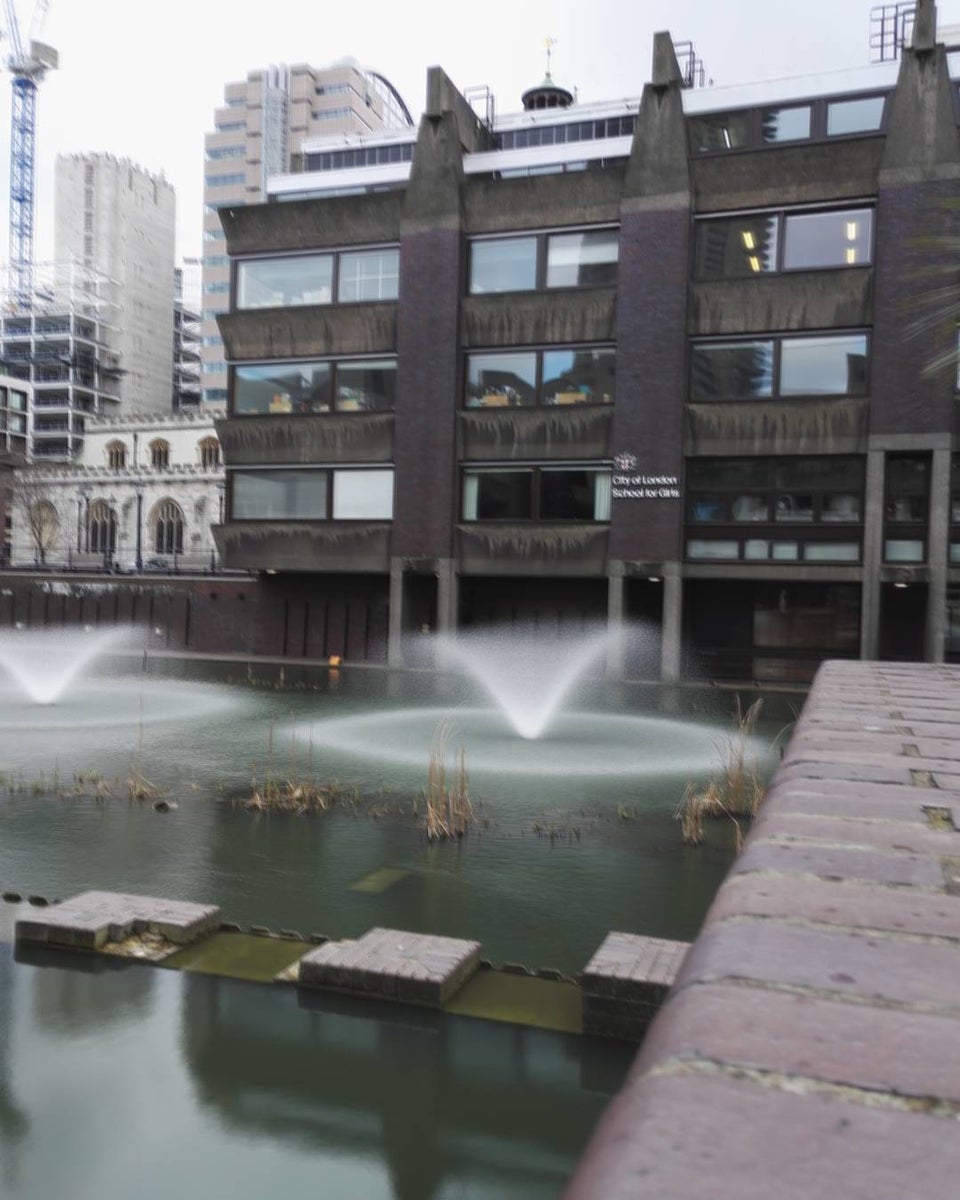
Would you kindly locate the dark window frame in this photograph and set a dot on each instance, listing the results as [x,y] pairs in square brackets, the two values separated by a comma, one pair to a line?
[818,530]
[327,469]
[542,238]
[818,123]
[333,363]
[535,471]
[333,253]
[538,351]
[777,340]
[782,216]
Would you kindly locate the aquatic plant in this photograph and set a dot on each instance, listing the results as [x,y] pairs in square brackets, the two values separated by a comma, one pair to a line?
[449,812]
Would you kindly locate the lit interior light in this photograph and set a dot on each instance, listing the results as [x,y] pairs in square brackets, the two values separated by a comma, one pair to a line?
[748,239]
[901,585]
[851,254]
[754,262]
[852,231]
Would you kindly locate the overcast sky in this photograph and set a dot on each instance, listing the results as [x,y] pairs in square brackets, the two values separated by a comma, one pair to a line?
[142,80]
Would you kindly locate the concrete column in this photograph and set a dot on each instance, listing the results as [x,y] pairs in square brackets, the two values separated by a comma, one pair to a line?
[448,596]
[938,550]
[615,630]
[872,556]
[395,626]
[672,624]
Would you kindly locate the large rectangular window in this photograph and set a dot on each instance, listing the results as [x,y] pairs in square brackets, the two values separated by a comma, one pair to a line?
[300,279]
[756,243]
[537,493]
[751,128]
[285,282]
[578,258]
[369,275]
[582,259]
[280,388]
[524,378]
[828,365]
[311,494]
[906,507]
[778,509]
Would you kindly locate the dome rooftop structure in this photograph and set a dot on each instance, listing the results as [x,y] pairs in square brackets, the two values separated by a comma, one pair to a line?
[546,95]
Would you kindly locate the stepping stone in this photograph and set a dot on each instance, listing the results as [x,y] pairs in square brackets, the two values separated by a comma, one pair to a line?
[625,983]
[389,964]
[88,921]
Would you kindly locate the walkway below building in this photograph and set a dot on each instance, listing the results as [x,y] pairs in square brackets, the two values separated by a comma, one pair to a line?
[811,1043]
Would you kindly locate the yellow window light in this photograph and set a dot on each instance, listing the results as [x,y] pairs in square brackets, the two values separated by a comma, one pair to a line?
[754,262]
[749,240]
[853,229]
[851,254]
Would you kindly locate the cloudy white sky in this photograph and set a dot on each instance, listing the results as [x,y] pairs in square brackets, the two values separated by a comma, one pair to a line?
[141,79]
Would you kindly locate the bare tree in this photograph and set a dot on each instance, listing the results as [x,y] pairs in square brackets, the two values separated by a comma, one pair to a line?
[31,497]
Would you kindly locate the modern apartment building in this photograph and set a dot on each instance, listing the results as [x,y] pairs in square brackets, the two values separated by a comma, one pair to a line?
[114,217]
[257,133]
[657,361]
[60,341]
[186,336]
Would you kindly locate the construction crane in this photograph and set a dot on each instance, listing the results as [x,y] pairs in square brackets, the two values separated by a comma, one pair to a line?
[27,65]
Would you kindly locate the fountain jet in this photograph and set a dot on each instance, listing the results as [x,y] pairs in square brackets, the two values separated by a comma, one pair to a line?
[44,665]
[527,675]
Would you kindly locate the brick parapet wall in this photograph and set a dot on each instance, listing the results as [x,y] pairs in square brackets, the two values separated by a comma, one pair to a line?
[811,1043]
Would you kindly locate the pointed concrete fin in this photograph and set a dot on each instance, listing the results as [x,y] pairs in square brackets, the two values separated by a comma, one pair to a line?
[666,69]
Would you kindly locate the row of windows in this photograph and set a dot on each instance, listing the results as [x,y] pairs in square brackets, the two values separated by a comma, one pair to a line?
[331,114]
[363,385]
[232,180]
[515,379]
[361,156]
[317,278]
[208,451]
[572,131]
[768,368]
[489,494]
[230,126]
[751,128]
[756,243]
[215,153]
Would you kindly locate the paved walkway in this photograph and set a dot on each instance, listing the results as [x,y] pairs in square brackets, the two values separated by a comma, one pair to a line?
[811,1044]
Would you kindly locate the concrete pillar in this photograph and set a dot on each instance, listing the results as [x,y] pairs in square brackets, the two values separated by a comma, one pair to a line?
[395,626]
[615,630]
[448,596]
[872,556]
[938,552]
[672,625]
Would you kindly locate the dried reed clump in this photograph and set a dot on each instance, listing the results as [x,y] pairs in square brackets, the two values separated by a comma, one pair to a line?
[293,793]
[449,812]
[735,791]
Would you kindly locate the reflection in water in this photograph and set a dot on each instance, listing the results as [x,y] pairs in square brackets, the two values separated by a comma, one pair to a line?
[220,1088]
[493,1107]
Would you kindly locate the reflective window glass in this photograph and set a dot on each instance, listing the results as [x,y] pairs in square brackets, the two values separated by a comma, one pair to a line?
[731,370]
[794,506]
[709,548]
[583,259]
[785,124]
[283,282]
[824,366]
[503,265]
[750,508]
[366,386]
[719,131]
[736,247]
[578,376]
[281,388]
[854,116]
[498,495]
[567,495]
[832,239]
[369,275]
[842,507]
[831,551]
[279,495]
[363,495]
[708,508]
[501,380]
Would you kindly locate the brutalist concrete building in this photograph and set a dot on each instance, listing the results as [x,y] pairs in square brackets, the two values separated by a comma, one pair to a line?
[678,361]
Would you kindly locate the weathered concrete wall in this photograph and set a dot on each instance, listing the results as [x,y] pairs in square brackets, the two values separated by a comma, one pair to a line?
[811,1043]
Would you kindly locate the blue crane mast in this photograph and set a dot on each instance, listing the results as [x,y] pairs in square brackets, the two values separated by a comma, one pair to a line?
[27,66]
